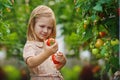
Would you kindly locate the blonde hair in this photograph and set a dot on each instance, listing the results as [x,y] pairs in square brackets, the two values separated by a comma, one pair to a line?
[40,11]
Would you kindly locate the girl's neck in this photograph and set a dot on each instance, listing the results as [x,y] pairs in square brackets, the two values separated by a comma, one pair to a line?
[39,40]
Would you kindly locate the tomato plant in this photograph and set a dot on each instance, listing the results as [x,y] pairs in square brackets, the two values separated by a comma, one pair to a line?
[96,27]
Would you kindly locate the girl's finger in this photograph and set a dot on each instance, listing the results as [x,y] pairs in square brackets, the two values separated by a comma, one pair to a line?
[59,54]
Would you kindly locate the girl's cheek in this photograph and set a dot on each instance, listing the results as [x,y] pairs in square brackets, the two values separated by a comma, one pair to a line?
[50,33]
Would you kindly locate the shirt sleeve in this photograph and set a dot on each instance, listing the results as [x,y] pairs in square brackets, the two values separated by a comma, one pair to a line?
[28,51]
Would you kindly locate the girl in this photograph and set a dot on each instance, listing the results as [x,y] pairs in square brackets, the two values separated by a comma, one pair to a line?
[36,53]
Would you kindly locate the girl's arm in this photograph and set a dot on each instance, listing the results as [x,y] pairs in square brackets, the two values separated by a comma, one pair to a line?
[34,61]
[47,51]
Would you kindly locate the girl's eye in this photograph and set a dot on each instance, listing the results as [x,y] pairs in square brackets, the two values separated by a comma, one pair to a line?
[42,26]
[49,28]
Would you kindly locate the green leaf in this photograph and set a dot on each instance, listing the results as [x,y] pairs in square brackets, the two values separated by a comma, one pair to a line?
[103,51]
[116,48]
[114,63]
[104,1]
[98,7]
[107,67]
[13,36]
[88,34]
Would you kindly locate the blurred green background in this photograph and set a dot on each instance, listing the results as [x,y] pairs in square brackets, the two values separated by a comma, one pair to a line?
[87,25]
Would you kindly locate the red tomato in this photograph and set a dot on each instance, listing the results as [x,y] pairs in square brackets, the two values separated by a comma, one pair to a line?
[102,34]
[50,41]
[54,60]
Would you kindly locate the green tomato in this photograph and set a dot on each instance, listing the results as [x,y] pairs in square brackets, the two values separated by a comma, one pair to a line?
[91,46]
[95,51]
[98,56]
[114,42]
[106,55]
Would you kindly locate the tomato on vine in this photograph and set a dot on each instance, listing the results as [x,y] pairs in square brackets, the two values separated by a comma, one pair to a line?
[102,34]
[114,42]
[95,51]
[99,43]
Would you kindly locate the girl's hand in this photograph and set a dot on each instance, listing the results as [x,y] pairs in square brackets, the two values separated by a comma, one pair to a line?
[59,57]
[50,49]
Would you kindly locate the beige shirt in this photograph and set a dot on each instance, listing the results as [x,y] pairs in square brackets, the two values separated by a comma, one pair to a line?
[44,71]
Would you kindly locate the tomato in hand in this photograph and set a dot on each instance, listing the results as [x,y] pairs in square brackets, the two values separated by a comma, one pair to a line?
[50,41]
[54,60]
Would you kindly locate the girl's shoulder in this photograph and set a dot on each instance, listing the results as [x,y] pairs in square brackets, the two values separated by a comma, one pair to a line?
[29,43]
[34,43]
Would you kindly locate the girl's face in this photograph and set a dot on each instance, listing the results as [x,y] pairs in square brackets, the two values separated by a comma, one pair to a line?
[43,28]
